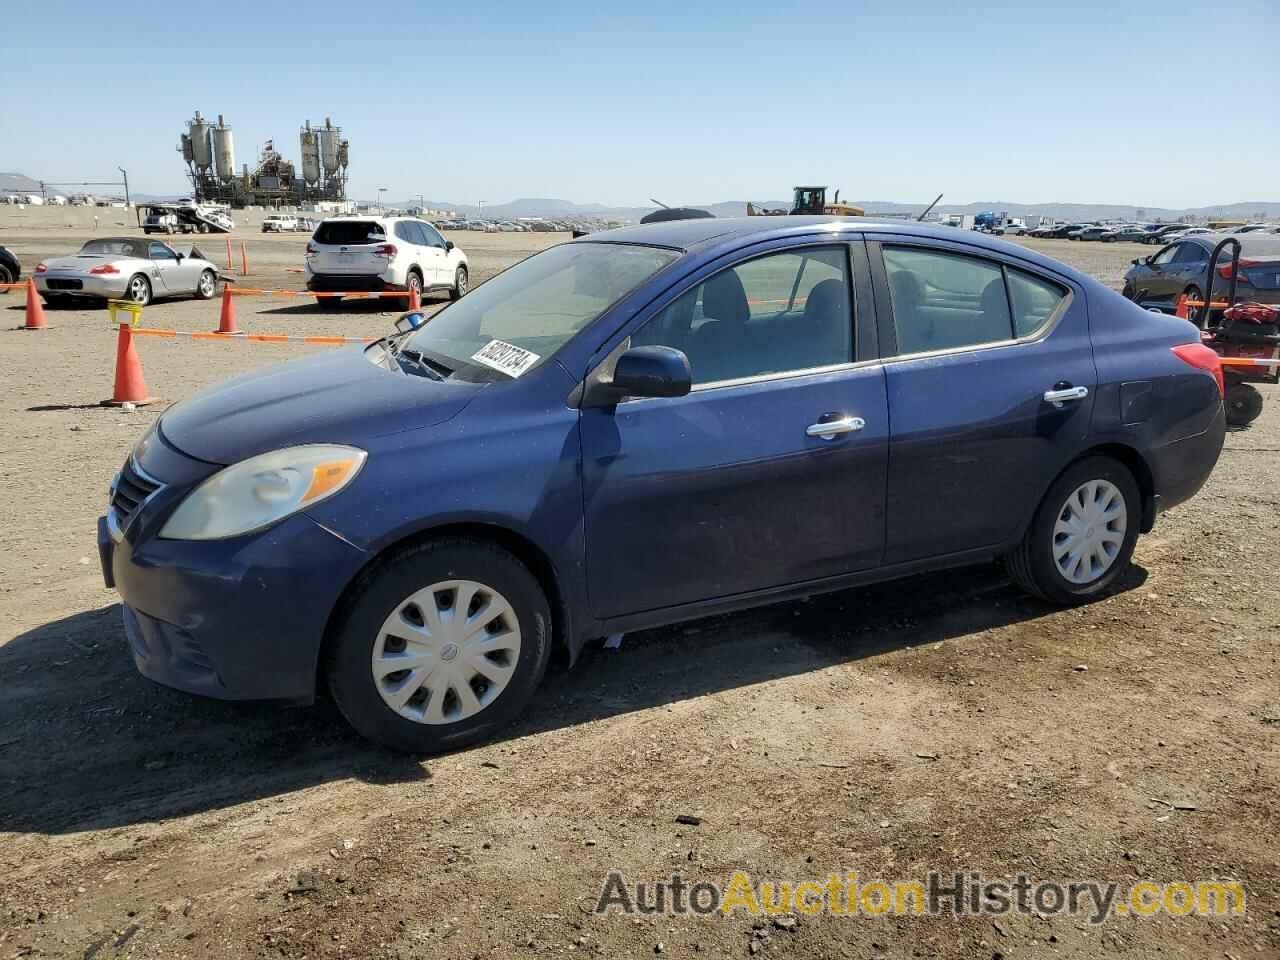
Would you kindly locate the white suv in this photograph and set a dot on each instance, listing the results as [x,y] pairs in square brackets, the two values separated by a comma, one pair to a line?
[384,253]
[279,223]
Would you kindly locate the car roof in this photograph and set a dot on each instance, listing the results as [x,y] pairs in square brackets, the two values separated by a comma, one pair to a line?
[1250,243]
[699,236]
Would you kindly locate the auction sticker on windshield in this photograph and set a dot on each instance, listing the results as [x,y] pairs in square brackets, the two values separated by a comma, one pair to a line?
[505,357]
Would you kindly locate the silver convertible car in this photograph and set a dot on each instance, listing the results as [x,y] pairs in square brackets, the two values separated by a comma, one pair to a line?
[127,268]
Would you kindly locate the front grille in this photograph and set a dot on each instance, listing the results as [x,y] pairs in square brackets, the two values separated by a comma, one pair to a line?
[131,488]
[57,283]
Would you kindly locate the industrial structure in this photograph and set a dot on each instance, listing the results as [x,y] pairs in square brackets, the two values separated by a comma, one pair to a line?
[209,152]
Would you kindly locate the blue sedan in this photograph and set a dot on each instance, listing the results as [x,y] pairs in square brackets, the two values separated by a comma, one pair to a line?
[639,427]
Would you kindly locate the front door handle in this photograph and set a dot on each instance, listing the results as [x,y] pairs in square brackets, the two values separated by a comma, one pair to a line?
[1058,396]
[830,429]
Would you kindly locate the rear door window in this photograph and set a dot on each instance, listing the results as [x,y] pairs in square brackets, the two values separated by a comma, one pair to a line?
[1189,253]
[350,232]
[430,235]
[408,231]
[943,300]
[1034,301]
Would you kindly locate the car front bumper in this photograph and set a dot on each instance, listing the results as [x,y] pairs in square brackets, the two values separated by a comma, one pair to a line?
[235,619]
[110,287]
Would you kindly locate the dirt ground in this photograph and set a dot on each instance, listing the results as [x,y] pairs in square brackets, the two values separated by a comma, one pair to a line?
[944,722]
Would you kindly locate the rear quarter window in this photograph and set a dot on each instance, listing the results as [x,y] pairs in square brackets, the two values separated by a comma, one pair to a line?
[1034,301]
[350,232]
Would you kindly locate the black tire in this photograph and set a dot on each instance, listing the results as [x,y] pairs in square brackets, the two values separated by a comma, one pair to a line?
[6,276]
[411,280]
[379,592]
[461,281]
[204,228]
[1032,565]
[1243,404]
[1193,293]
[138,292]
[207,285]
[1129,292]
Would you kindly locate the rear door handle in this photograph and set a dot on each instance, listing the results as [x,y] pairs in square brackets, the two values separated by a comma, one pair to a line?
[1058,396]
[830,429]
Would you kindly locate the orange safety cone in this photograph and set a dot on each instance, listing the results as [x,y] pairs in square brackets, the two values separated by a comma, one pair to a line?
[1182,312]
[230,263]
[244,260]
[415,301]
[130,387]
[227,320]
[35,309]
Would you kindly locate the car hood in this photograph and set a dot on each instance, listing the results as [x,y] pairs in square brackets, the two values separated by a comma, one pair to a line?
[334,397]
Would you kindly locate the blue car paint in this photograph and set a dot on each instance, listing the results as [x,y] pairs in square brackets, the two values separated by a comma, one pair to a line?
[661,509]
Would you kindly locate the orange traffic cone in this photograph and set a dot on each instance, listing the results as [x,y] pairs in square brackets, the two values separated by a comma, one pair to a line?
[227,321]
[1182,312]
[415,301]
[35,309]
[130,387]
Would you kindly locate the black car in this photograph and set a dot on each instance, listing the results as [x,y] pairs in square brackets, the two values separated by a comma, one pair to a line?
[1180,268]
[1158,234]
[10,269]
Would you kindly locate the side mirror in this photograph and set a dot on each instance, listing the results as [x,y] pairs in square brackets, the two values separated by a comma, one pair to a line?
[643,372]
[448,245]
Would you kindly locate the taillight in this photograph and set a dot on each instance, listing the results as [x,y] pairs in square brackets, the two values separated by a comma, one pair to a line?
[387,250]
[1224,270]
[311,249]
[41,268]
[1202,358]
[104,268]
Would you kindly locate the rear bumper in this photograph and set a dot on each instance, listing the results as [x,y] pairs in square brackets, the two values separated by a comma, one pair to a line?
[1181,468]
[100,288]
[355,282]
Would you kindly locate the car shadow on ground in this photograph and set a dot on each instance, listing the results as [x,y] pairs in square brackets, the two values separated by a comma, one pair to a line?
[87,743]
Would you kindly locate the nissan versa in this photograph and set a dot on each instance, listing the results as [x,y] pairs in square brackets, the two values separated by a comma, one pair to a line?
[643,426]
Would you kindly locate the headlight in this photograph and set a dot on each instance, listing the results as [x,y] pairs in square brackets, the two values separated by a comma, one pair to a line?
[263,489]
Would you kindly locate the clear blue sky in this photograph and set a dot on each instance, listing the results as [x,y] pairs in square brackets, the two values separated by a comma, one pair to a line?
[688,102]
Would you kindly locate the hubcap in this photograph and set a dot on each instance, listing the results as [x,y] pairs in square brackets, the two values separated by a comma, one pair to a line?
[206,284]
[462,282]
[446,652]
[1090,531]
[139,290]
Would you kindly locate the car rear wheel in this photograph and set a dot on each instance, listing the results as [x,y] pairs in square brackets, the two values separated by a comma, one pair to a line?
[1083,533]
[139,290]
[1243,404]
[440,646]
[207,286]
[414,283]
[460,281]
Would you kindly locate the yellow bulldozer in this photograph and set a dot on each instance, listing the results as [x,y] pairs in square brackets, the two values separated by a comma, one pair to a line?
[809,201]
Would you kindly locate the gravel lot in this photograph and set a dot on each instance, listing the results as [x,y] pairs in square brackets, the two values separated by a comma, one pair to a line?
[943,722]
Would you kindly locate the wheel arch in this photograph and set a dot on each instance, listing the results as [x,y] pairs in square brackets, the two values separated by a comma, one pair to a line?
[1134,462]
[515,543]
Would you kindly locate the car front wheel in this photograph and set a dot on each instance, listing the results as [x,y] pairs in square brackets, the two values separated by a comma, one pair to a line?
[441,645]
[207,286]
[1083,533]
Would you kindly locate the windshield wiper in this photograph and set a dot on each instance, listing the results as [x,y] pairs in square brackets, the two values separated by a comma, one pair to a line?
[432,368]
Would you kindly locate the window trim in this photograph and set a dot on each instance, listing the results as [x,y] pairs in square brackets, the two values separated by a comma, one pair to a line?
[853,247]
[884,303]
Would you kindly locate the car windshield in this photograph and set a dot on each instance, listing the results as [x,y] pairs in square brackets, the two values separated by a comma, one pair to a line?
[123,247]
[507,326]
